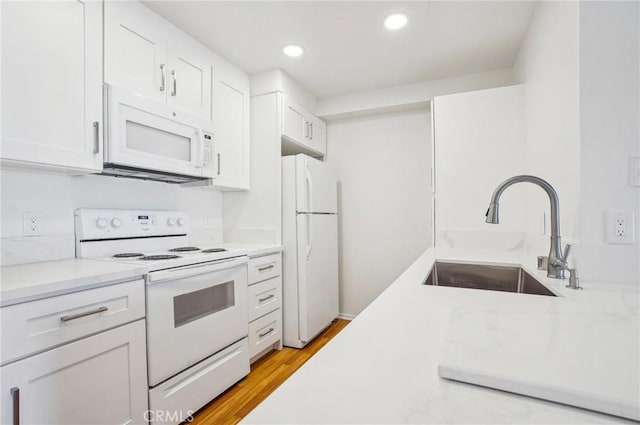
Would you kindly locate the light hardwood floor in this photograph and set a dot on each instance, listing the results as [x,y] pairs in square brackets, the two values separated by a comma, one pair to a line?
[266,375]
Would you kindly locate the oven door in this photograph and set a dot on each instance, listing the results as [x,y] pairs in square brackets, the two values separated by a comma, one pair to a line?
[148,134]
[193,312]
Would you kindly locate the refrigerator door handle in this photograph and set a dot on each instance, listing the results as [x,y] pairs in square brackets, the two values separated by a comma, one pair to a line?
[307,177]
[309,235]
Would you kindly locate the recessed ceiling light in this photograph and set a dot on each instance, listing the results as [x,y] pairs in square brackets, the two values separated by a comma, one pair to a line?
[395,21]
[293,50]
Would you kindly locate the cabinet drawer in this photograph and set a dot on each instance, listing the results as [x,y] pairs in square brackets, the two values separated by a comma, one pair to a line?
[264,297]
[263,268]
[37,325]
[264,331]
[190,390]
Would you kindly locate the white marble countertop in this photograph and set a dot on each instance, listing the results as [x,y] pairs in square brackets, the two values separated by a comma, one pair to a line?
[254,249]
[383,367]
[27,282]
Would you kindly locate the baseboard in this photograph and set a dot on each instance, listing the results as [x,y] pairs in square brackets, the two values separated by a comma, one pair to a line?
[345,316]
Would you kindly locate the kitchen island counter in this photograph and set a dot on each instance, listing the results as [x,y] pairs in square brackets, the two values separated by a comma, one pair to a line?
[383,367]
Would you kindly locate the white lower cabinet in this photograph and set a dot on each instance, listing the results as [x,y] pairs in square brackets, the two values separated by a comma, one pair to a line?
[101,379]
[265,304]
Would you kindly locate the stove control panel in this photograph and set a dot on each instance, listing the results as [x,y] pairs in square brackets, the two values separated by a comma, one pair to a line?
[102,224]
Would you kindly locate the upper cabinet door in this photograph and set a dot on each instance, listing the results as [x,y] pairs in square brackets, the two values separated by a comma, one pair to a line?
[231,108]
[135,49]
[52,83]
[189,79]
[317,137]
[294,123]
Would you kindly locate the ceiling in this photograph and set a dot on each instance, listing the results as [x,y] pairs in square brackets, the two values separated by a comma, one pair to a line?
[347,48]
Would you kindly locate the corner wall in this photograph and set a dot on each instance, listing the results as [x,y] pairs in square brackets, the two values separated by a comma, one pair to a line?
[382,164]
[610,133]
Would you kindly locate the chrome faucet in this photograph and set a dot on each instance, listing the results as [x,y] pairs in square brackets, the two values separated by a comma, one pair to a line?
[557,262]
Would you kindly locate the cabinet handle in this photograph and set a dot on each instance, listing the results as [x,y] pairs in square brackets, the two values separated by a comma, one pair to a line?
[266,333]
[15,396]
[218,163]
[84,314]
[162,77]
[261,300]
[311,131]
[261,269]
[175,82]
[96,137]
[306,130]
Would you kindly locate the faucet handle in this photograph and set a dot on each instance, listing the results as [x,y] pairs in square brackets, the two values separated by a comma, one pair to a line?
[565,255]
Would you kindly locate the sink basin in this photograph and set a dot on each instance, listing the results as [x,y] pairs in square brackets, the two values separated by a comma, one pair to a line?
[482,276]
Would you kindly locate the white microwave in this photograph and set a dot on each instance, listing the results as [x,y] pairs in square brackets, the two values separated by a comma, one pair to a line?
[147,139]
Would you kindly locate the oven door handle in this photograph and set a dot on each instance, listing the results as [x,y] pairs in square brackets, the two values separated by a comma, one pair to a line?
[195,270]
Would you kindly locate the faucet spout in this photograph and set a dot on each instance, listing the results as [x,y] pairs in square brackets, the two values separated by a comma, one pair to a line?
[557,261]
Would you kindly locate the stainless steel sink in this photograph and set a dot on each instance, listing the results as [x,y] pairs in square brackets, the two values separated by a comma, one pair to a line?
[482,276]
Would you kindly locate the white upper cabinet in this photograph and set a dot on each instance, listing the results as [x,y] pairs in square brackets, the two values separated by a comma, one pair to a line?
[135,50]
[231,109]
[294,124]
[52,84]
[149,56]
[303,128]
[189,78]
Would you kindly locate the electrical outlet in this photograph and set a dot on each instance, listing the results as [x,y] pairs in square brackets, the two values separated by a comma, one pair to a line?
[620,227]
[32,223]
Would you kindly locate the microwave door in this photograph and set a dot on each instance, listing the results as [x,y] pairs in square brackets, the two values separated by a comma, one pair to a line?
[146,134]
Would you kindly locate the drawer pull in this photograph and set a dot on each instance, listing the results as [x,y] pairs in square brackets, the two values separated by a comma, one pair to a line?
[266,333]
[262,269]
[86,313]
[15,397]
[268,297]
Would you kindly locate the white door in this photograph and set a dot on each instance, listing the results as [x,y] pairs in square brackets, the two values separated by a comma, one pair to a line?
[316,187]
[189,79]
[52,83]
[98,380]
[318,135]
[231,100]
[206,303]
[135,49]
[293,122]
[317,272]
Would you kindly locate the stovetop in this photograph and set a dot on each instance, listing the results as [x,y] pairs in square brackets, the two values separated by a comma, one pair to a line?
[175,257]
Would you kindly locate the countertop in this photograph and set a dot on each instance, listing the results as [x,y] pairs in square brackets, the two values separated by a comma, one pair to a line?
[254,249]
[383,367]
[27,282]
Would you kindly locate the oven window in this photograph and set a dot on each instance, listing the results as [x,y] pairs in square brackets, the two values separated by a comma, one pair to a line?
[197,304]
[158,142]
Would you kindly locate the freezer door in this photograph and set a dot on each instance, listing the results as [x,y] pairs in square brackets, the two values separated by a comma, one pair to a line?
[317,272]
[316,188]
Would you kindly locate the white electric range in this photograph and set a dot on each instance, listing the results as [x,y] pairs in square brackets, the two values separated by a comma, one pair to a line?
[196,303]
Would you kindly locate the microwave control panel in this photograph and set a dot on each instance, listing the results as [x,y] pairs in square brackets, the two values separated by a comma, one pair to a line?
[207,150]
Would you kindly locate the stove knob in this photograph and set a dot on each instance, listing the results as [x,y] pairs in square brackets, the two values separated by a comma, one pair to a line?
[102,223]
[171,221]
[181,222]
[116,222]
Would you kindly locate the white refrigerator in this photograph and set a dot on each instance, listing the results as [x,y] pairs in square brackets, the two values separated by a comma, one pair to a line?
[310,239]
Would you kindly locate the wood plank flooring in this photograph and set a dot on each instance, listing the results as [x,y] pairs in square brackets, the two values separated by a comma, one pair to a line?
[266,375]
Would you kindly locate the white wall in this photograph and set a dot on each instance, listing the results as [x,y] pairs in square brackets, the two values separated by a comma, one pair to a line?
[548,66]
[56,196]
[580,67]
[382,164]
[399,97]
[479,142]
[610,133]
